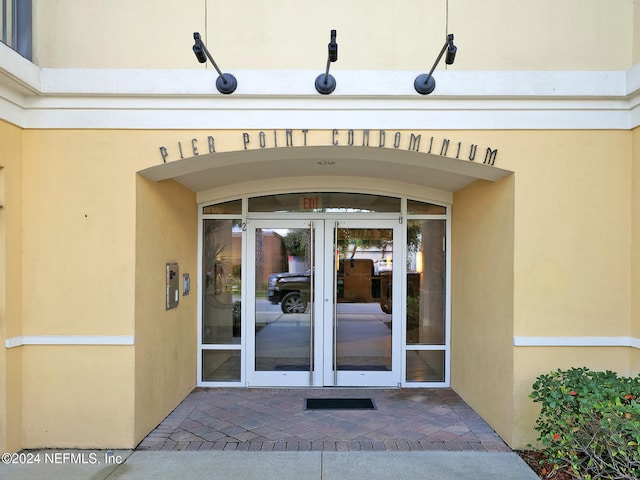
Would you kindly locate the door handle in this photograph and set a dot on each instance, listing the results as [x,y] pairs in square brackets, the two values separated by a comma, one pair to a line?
[335,304]
[311,306]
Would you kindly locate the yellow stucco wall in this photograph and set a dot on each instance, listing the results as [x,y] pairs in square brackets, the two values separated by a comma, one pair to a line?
[572,233]
[572,254]
[166,231]
[78,255]
[636,34]
[482,300]
[545,35]
[79,211]
[285,34]
[116,33]
[79,280]
[570,263]
[77,396]
[10,285]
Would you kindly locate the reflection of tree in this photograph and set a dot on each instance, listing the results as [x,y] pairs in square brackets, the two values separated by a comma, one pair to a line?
[296,245]
[295,242]
[218,253]
[352,239]
[259,252]
[413,235]
[220,316]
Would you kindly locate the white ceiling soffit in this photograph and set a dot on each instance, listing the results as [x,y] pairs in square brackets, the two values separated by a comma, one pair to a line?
[205,172]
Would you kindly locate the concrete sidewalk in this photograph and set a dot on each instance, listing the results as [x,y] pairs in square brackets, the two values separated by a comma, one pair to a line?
[311,465]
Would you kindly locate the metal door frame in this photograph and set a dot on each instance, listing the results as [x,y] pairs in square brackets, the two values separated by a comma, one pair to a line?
[284,378]
[361,378]
[247,256]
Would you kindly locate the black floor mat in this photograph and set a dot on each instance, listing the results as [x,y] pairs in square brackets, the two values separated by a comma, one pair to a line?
[339,404]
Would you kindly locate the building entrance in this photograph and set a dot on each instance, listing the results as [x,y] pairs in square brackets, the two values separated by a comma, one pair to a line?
[327,319]
[324,289]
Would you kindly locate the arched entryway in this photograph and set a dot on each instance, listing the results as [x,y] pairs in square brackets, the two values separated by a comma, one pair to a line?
[241,342]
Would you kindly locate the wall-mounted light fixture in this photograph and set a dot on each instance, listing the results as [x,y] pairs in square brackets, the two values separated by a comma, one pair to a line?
[425,83]
[325,83]
[225,83]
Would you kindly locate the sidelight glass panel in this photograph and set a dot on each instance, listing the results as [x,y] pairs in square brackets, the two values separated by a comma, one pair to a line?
[222,261]
[221,365]
[425,366]
[283,290]
[363,299]
[426,277]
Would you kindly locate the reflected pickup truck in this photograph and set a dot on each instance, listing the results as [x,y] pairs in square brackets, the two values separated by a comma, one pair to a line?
[290,290]
[356,282]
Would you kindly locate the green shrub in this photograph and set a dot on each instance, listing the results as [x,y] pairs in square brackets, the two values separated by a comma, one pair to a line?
[589,424]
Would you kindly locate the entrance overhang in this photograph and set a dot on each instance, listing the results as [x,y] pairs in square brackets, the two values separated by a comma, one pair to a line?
[218,170]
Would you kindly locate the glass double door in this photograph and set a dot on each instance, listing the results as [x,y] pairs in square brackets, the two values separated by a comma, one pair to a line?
[320,303]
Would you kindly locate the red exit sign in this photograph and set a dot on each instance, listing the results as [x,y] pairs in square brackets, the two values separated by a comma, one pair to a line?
[310,203]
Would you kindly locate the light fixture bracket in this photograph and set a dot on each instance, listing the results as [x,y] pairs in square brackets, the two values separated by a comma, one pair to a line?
[425,83]
[325,83]
[225,83]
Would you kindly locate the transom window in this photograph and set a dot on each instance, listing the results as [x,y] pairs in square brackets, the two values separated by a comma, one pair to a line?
[324,202]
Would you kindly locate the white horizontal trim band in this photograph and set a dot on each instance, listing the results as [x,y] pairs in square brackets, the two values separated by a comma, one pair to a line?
[576,342]
[341,114]
[34,97]
[201,81]
[69,340]
[352,83]
[518,341]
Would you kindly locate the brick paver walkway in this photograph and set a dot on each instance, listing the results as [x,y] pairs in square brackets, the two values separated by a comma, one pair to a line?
[275,419]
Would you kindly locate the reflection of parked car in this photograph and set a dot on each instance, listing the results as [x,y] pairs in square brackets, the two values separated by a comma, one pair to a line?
[291,290]
[356,283]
